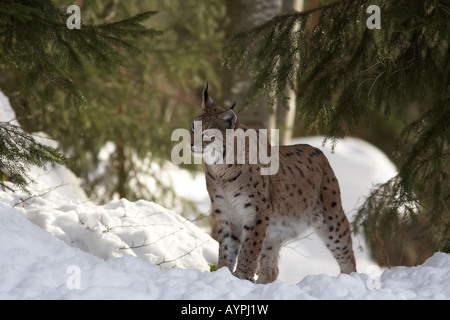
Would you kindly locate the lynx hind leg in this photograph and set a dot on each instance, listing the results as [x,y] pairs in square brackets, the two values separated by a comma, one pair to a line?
[268,262]
[334,229]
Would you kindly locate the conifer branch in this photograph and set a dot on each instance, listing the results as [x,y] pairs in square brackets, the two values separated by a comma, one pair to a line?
[36,42]
[18,152]
[348,73]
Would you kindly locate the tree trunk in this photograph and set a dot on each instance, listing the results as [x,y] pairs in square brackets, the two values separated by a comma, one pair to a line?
[122,175]
[286,114]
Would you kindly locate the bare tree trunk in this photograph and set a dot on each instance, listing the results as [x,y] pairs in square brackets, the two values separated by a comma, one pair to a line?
[286,116]
[121,161]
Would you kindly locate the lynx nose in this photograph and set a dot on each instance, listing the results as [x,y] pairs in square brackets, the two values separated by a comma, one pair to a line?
[192,145]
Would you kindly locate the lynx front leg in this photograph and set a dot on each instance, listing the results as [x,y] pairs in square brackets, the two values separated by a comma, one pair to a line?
[252,242]
[228,241]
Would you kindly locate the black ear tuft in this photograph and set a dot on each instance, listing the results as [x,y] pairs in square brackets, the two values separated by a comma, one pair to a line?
[205,93]
[207,102]
[233,105]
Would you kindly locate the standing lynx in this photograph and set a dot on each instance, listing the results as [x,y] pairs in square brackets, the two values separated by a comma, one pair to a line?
[256,213]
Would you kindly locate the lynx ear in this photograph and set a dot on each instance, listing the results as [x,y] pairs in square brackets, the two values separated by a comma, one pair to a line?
[230,118]
[207,101]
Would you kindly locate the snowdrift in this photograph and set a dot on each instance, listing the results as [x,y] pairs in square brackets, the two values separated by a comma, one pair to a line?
[36,265]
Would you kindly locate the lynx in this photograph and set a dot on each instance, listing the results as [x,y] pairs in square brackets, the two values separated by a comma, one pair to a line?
[256,214]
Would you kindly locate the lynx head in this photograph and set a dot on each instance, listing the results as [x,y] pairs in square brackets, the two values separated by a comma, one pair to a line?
[205,127]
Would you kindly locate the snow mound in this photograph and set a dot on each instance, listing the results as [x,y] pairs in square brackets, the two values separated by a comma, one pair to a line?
[141,229]
[7,114]
[36,265]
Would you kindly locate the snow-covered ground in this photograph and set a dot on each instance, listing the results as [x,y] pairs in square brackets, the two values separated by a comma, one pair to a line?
[59,245]
[36,265]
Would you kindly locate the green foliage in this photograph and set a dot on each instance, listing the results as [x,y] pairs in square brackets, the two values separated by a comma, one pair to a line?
[343,73]
[340,71]
[136,108]
[18,152]
[45,65]
[132,108]
[213,267]
[35,39]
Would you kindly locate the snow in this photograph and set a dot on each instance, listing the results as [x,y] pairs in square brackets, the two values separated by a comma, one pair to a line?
[59,245]
[36,265]
[141,229]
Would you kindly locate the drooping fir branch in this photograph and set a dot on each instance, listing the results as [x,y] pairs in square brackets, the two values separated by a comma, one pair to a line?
[343,73]
[36,40]
[18,152]
[419,196]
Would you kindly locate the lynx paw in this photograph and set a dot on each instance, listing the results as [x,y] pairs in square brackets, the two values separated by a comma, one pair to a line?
[244,277]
